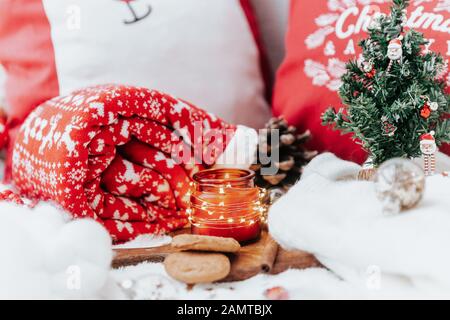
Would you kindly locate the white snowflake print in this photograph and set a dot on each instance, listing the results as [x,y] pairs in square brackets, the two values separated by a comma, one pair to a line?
[99,109]
[51,136]
[317,72]
[336,68]
[443,5]
[170,163]
[326,19]
[52,179]
[94,204]
[124,130]
[29,168]
[118,216]
[124,226]
[322,75]
[160,156]
[130,174]
[163,187]
[180,106]
[42,176]
[317,39]
[66,138]
[131,205]
[151,198]
[77,175]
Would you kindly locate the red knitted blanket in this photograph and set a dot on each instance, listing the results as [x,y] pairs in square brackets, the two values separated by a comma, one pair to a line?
[121,155]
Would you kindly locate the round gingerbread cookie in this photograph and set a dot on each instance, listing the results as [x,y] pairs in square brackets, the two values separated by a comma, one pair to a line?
[186,242]
[197,267]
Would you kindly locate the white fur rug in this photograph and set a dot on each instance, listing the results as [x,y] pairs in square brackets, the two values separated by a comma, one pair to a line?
[45,255]
[341,222]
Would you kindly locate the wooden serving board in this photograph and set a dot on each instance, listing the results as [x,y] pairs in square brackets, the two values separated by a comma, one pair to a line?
[263,255]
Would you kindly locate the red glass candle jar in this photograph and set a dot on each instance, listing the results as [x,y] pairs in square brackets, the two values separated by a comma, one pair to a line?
[226,203]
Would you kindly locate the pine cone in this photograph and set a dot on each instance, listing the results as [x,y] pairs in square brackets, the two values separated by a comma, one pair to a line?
[292,157]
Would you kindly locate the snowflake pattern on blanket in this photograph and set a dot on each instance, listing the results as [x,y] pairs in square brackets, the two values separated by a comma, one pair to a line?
[105,153]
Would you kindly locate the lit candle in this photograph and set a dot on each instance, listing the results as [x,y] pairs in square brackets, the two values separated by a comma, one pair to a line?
[226,203]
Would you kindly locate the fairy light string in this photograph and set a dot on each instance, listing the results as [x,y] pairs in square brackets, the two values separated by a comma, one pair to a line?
[220,213]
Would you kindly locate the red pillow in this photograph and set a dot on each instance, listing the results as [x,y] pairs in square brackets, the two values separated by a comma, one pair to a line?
[323,35]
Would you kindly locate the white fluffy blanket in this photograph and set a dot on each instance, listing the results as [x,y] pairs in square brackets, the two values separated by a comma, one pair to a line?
[46,255]
[341,222]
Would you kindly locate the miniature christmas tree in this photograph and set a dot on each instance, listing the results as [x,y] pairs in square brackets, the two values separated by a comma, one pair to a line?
[395,94]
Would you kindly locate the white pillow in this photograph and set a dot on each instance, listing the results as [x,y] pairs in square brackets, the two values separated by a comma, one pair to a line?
[273,20]
[201,51]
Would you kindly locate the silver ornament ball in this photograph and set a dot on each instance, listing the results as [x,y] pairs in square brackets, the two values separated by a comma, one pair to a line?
[399,185]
